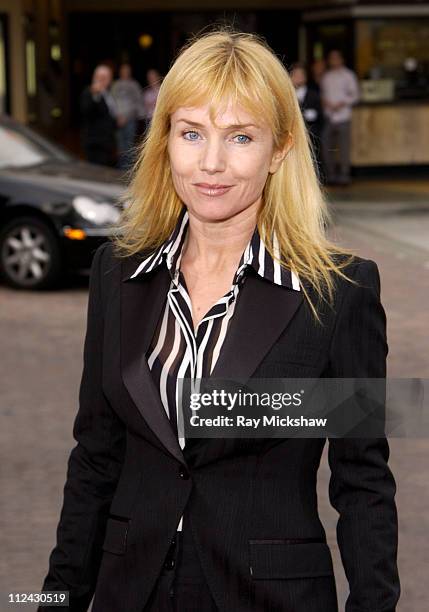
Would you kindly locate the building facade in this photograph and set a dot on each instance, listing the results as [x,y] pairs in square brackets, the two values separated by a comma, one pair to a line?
[48,50]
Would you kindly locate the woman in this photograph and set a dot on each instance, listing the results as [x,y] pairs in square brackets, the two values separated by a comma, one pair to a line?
[221,268]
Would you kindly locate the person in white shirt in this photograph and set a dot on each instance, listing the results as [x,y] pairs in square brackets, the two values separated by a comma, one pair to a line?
[339,91]
[128,96]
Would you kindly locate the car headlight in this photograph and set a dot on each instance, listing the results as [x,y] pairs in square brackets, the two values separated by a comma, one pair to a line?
[99,213]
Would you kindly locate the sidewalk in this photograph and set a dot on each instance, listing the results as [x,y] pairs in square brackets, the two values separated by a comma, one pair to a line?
[396,211]
[372,191]
[388,222]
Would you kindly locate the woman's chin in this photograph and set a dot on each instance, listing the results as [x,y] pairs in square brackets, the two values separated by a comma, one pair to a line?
[212,212]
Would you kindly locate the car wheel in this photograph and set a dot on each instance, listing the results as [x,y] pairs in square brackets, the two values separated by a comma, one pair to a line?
[30,256]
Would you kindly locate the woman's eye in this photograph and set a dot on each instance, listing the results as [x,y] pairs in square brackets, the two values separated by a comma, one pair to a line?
[190,135]
[242,138]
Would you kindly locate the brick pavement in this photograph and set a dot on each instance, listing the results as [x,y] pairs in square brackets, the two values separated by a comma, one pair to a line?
[404,293]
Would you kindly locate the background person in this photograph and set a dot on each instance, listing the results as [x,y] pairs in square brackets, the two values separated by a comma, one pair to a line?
[150,95]
[339,91]
[311,107]
[317,70]
[98,112]
[128,96]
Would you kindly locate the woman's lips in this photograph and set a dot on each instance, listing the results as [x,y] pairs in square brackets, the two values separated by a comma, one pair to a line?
[212,190]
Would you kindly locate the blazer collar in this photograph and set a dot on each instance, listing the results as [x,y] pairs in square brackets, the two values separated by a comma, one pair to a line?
[255,256]
[250,337]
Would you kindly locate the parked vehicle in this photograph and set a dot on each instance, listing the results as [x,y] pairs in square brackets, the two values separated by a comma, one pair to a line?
[55,210]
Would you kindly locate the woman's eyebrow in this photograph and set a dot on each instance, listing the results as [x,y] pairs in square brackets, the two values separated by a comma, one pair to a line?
[227,127]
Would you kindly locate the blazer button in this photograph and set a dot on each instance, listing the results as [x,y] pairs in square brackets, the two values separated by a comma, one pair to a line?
[169,564]
[184,474]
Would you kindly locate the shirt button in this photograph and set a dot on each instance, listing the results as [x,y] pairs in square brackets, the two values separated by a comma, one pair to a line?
[184,474]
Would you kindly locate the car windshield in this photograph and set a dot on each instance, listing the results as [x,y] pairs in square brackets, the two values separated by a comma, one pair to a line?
[21,148]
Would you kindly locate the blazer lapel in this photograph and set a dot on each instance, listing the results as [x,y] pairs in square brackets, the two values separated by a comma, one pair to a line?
[142,300]
[251,335]
[263,312]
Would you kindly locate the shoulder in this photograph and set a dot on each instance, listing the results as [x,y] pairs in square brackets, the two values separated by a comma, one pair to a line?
[360,300]
[107,272]
[311,94]
[350,73]
[105,263]
[86,93]
[112,267]
[102,254]
[362,276]
[362,269]
[356,266]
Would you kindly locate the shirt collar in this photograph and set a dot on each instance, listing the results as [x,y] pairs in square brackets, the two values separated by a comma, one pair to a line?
[255,255]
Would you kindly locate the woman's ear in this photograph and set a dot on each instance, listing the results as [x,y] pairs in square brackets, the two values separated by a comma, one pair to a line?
[280,154]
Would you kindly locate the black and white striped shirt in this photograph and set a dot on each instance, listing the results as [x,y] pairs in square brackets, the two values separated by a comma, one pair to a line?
[178,351]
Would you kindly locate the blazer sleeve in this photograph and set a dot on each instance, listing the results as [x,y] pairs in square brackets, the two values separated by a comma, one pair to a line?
[362,487]
[94,467]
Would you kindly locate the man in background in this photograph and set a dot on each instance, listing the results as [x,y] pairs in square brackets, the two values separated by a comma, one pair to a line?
[311,108]
[339,91]
[150,95]
[98,111]
[317,70]
[128,97]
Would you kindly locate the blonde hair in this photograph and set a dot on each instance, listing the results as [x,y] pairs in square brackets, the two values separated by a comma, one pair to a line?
[216,68]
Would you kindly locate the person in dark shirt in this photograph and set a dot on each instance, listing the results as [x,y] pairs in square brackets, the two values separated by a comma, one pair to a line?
[311,107]
[98,112]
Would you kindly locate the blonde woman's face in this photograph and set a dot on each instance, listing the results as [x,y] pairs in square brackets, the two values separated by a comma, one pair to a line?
[219,171]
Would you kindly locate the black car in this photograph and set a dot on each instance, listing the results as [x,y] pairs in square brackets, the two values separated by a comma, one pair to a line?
[54,209]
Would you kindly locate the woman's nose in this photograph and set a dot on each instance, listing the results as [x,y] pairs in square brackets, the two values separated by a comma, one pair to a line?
[212,156]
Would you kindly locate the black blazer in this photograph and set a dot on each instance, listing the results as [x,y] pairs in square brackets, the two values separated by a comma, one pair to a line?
[251,504]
